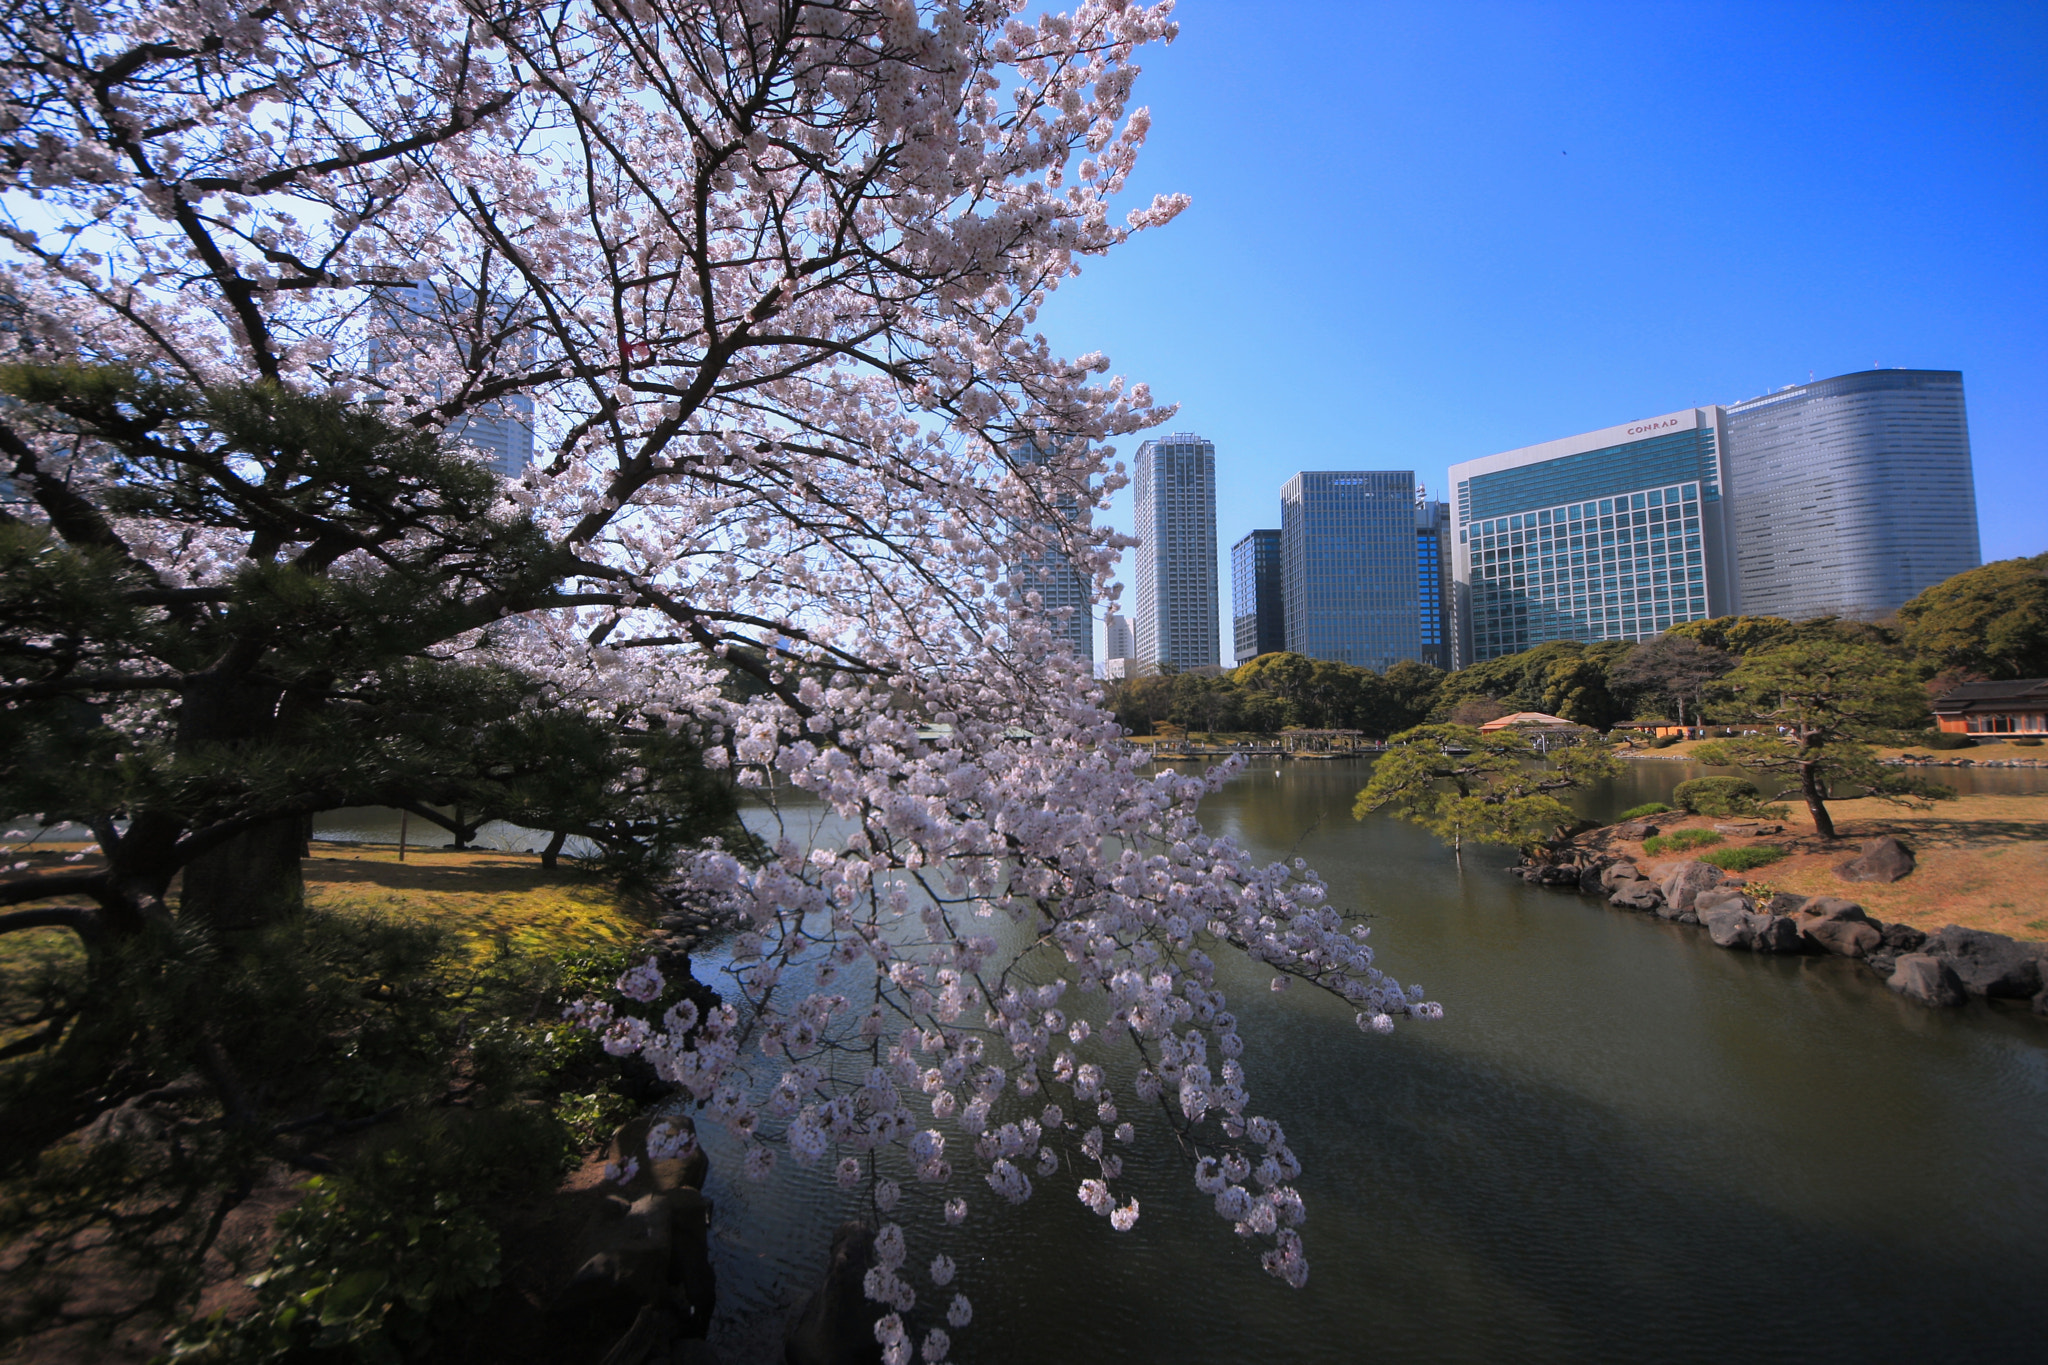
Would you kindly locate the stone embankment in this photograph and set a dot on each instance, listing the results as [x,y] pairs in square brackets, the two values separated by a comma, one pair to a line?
[683,924]
[1943,968]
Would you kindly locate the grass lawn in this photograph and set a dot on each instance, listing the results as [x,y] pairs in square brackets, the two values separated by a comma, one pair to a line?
[1982,753]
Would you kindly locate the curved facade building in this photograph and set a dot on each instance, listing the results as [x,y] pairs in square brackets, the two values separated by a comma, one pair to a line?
[1849,496]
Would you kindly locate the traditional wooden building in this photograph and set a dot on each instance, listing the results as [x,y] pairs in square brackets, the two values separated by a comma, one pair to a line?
[1990,710]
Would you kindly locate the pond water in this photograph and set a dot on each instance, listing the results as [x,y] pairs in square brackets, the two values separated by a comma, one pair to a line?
[1620,1144]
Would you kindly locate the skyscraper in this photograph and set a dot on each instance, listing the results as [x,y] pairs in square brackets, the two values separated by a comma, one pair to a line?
[1061,588]
[504,429]
[1615,534]
[1849,496]
[1433,579]
[1258,621]
[1348,566]
[1175,495]
[1118,640]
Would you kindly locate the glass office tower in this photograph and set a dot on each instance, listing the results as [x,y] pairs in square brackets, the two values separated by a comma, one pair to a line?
[1174,492]
[1433,579]
[428,315]
[1611,535]
[1348,566]
[1064,594]
[1849,496]
[1257,619]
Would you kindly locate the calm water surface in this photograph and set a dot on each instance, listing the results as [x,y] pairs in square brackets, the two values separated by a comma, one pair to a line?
[1621,1144]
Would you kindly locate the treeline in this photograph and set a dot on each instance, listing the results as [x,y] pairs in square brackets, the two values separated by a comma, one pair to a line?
[1990,622]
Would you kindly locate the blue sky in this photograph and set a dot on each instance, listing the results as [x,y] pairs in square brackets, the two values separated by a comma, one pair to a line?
[1427,232]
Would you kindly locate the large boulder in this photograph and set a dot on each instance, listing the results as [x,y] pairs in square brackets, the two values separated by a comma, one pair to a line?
[1717,898]
[628,1258]
[1617,875]
[1987,964]
[1731,926]
[1926,979]
[1638,895]
[1592,879]
[696,1285]
[1903,938]
[1883,859]
[837,1326]
[1837,926]
[1635,829]
[1777,934]
[1683,884]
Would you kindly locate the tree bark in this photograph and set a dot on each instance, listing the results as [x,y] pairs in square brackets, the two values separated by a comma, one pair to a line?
[1816,801]
[253,879]
[550,854]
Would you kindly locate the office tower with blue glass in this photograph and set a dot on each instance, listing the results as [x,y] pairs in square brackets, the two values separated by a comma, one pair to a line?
[423,314]
[1258,621]
[1849,496]
[1433,579]
[1348,566]
[1616,534]
[1174,492]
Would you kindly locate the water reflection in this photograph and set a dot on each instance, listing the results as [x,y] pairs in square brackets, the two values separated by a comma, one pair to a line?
[1621,1144]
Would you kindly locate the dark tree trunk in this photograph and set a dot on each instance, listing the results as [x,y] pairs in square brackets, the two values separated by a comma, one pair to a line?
[1816,800]
[553,852]
[253,879]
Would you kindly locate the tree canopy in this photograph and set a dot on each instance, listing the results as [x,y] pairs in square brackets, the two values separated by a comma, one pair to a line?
[1825,697]
[1491,788]
[1991,622]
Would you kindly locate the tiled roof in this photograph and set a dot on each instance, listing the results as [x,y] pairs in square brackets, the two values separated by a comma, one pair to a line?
[1971,696]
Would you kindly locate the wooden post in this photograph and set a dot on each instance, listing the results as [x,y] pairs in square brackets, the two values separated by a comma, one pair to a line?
[403,818]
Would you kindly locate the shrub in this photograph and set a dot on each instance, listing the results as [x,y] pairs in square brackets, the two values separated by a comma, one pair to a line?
[1743,859]
[1717,796]
[1645,811]
[1663,741]
[1942,739]
[2028,743]
[1680,841]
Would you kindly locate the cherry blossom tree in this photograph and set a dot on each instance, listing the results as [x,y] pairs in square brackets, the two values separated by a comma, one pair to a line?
[765,274]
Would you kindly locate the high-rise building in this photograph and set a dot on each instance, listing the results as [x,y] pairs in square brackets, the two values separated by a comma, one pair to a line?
[1064,594]
[504,429]
[1433,579]
[1174,492]
[1611,535]
[1119,642]
[1849,496]
[1258,620]
[1348,566]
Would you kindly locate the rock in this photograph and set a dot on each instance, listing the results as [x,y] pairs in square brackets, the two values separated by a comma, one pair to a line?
[1987,964]
[1832,907]
[1929,980]
[1883,859]
[1745,828]
[1635,829]
[1683,884]
[2041,1001]
[1902,938]
[1882,962]
[629,1259]
[1717,897]
[1730,926]
[1615,875]
[1638,895]
[665,1176]
[837,1326]
[1591,879]
[1844,937]
[1784,903]
[696,1286]
[1778,934]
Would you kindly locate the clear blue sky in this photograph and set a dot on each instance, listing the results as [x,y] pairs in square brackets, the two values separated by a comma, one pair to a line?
[1431,231]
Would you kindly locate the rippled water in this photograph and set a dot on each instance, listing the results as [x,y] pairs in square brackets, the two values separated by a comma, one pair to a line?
[1621,1144]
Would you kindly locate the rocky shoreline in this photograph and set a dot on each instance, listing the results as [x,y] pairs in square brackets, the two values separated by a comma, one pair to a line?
[1944,968]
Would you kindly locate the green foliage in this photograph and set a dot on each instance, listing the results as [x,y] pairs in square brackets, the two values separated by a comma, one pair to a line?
[2026,743]
[1489,788]
[1275,692]
[1663,741]
[1990,622]
[1562,678]
[1739,635]
[1718,796]
[1745,858]
[1644,811]
[373,1257]
[1680,841]
[1941,739]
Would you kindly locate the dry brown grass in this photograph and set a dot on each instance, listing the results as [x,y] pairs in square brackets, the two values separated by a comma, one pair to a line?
[1982,861]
